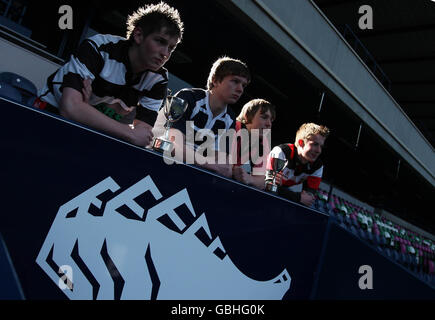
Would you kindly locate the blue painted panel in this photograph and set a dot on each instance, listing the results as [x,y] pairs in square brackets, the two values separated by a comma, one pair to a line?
[340,275]
[86,216]
[10,287]
[267,247]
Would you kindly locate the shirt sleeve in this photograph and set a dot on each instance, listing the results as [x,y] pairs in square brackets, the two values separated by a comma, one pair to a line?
[153,98]
[313,181]
[85,63]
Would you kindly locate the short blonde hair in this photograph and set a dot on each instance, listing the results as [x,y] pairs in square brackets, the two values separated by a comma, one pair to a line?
[307,130]
[250,109]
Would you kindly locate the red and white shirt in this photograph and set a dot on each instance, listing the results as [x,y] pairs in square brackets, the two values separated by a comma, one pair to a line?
[252,155]
[295,171]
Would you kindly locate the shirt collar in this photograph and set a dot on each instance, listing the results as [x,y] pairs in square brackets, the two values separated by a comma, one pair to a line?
[222,114]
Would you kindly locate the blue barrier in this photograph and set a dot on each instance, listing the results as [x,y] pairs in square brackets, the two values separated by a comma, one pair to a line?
[10,287]
[91,217]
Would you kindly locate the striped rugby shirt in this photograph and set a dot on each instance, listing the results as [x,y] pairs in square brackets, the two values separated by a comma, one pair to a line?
[105,60]
[310,174]
[252,154]
[198,111]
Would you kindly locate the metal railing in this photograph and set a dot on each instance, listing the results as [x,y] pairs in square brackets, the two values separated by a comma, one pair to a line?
[366,56]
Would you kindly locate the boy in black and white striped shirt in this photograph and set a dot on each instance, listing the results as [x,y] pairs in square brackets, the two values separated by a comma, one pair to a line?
[208,117]
[116,84]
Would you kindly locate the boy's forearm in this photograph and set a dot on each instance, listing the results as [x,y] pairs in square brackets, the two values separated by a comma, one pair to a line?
[288,194]
[258,181]
[73,107]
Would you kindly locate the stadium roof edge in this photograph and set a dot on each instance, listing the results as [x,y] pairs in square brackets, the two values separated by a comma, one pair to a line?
[323,53]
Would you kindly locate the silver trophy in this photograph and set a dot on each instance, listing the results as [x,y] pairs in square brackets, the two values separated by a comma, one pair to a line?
[277,166]
[173,109]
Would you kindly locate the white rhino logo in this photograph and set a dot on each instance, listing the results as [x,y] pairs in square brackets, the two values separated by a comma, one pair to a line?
[122,251]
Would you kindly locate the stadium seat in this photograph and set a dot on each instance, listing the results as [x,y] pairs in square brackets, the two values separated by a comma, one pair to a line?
[378,240]
[333,206]
[340,220]
[379,248]
[354,220]
[395,255]
[371,238]
[427,278]
[410,261]
[9,92]
[25,87]
[431,267]
[408,248]
[375,229]
[402,259]
[413,262]
[422,276]
[384,241]
[353,230]
[363,234]
[388,252]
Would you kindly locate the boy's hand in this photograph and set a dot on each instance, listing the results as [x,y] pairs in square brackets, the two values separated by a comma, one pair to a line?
[307,198]
[141,134]
[241,175]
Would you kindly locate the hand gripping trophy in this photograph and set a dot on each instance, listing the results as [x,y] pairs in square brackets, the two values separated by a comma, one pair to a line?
[173,109]
[277,166]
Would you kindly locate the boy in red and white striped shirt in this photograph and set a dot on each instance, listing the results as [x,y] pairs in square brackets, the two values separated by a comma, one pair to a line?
[304,165]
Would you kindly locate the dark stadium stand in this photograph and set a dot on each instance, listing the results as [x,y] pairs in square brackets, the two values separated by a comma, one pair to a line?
[406,247]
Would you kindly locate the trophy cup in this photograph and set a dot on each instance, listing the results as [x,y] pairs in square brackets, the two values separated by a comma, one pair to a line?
[277,166]
[173,110]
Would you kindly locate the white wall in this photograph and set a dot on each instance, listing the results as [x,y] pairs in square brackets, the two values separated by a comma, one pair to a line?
[25,63]
[37,69]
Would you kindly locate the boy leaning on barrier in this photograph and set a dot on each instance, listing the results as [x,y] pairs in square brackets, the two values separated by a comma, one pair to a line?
[304,165]
[198,135]
[252,147]
[117,84]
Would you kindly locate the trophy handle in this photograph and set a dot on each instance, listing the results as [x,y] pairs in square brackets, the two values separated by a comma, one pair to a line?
[278,166]
[167,112]
[170,119]
[166,132]
[274,177]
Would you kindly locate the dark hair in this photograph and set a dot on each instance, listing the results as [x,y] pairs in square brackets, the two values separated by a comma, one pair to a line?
[250,109]
[152,18]
[226,66]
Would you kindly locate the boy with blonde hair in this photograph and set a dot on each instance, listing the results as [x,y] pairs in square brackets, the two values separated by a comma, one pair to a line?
[304,165]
